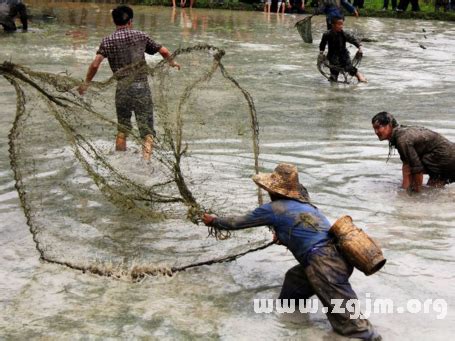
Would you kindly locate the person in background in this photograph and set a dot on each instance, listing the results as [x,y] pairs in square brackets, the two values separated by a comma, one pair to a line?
[386,5]
[358,3]
[304,230]
[445,4]
[183,3]
[403,5]
[297,6]
[281,4]
[331,9]
[124,49]
[9,10]
[421,150]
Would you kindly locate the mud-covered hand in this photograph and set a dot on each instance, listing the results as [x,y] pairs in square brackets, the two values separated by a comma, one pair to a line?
[321,57]
[173,63]
[83,88]
[208,219]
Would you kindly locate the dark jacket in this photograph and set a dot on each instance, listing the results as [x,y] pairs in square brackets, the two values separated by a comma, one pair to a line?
[425,151]
[338,53]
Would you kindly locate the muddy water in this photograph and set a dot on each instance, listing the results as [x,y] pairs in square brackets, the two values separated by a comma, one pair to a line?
[324,129]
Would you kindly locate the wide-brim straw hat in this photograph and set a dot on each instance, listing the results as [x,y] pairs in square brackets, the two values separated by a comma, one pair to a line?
[284,181]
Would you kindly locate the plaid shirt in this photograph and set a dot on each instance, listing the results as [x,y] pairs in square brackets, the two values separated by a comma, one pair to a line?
[125,47]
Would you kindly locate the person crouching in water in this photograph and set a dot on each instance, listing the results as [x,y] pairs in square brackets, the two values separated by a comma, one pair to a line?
[300,226]
[421,150]
[338,54]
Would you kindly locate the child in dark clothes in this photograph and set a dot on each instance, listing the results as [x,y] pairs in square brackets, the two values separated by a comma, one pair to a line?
[338,54]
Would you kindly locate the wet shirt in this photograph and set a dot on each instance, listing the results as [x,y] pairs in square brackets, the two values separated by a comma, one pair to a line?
[300,227]
[337,43]
[125,47]
[425,151]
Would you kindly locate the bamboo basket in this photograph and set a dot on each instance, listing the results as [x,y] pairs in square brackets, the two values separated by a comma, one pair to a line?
[357,247]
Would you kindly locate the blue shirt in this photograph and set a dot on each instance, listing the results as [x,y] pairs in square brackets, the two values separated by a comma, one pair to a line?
[330,8]
[299,226]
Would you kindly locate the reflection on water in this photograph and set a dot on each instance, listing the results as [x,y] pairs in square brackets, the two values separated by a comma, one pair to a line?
[325,129]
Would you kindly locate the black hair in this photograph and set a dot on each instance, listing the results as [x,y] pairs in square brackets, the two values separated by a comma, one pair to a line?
[384,118]
[121,15]
[336,18]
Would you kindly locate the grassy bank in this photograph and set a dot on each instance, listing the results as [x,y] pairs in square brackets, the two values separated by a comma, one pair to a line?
[372,8]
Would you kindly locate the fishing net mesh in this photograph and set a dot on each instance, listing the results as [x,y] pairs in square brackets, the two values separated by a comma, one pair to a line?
[324,67]
[304,28]
[113,213]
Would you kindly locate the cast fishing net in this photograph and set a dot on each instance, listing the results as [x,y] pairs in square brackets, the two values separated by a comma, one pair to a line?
[112,213]
[324,67]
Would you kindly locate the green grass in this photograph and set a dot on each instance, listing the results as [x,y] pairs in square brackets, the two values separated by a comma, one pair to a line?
[427,11]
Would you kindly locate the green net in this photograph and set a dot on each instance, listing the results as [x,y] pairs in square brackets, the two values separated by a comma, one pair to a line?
[112,213]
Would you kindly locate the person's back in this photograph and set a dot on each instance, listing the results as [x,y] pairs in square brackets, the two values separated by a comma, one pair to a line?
[299,226]
[127,47]
[425,150]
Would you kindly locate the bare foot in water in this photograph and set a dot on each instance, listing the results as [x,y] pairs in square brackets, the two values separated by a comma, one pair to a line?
[361,78]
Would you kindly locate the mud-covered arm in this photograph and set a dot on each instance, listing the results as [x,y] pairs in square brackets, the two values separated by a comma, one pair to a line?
[323,43]
[262,216]
[350,38]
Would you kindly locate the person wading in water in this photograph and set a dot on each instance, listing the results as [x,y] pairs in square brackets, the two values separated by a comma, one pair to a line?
[421,150]
[125,50]
[300,226]
[338,54]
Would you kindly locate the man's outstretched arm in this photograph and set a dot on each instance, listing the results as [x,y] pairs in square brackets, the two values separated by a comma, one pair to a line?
[91,72]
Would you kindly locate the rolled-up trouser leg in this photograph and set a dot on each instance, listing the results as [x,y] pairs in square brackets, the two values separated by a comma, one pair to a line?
[329,274]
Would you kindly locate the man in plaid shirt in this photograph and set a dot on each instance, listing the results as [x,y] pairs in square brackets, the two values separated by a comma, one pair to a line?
[124,49]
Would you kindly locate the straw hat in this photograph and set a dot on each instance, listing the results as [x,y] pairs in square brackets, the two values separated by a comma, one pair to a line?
[283,181]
